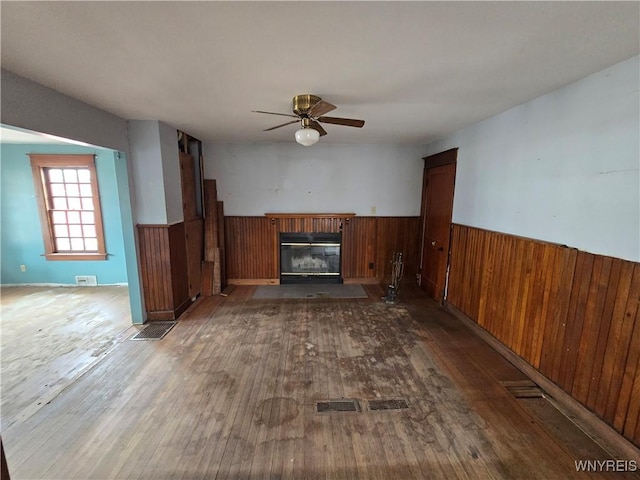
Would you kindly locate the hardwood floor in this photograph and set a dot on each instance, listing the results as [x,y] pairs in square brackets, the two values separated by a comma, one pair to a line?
[50,335]
[230,393]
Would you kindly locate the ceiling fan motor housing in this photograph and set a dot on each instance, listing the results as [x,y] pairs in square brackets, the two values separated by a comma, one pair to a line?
[303,103]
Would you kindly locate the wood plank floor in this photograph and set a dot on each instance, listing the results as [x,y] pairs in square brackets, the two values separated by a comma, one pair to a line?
[50,335]
[230,393]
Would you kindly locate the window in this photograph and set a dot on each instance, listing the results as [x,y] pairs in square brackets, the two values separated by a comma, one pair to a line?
[69,204]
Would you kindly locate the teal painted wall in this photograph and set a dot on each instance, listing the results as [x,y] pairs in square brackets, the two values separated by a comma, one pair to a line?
[20,232]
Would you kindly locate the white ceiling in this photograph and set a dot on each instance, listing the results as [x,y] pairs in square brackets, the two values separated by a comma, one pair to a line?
[414,71]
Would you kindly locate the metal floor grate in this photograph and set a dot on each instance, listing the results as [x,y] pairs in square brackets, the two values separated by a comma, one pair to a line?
[154,331]
[343,405]
[523,388]
[392,404]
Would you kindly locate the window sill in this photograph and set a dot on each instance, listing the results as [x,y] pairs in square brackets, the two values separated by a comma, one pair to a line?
[75,256]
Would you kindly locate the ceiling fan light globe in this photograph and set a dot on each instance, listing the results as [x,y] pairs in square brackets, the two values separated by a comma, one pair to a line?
[307,136]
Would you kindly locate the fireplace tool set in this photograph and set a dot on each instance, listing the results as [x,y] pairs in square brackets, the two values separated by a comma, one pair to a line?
[397,270]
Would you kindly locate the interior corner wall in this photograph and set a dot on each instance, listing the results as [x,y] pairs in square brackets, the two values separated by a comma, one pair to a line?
[156,172]
[563,168]
[368,180]
[171,173]
[146,166]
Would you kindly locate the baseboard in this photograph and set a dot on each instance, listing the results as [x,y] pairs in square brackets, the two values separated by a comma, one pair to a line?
[276,281]
[602,433]
[363,281]
[253,281]
[3,285]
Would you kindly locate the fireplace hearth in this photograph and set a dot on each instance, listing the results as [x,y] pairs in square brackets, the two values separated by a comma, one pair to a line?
[310,258]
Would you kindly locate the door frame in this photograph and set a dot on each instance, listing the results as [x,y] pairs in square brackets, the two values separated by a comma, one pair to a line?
[446,157]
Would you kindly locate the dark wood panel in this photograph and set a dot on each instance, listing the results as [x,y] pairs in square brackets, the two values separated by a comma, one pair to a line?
[251,243]
[163,265]
[359,248]
[211,222]
[155,267]
[570,314]
[221,256]
[178,261]
[250,247]
[194,237]
[397,234]
[188,178]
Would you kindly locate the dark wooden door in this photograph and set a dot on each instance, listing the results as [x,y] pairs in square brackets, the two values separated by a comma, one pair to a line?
[437,207]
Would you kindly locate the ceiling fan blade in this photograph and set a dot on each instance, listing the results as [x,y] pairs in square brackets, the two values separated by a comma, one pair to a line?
[316,126]
[321,108]
[273,113]
[283,125]
[348,122]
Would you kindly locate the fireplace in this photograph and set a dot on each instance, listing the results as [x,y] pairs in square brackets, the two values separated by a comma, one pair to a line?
[310,258]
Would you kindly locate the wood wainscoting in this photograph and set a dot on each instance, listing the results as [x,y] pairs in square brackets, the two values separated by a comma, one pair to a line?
[570,314]
[164,266]
[367,244]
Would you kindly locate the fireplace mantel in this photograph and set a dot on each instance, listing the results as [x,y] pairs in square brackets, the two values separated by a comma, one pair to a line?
[274,216]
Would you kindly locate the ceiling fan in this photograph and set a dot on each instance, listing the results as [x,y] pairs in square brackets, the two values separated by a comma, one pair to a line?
[309,110]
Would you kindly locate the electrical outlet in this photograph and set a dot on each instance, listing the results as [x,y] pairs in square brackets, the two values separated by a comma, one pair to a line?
[373,210]
[23,268]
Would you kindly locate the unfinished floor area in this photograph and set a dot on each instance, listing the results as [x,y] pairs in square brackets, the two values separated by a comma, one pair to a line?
[238,390]
[49,336]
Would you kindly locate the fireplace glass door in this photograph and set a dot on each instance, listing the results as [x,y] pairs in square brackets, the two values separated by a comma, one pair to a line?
[310,258]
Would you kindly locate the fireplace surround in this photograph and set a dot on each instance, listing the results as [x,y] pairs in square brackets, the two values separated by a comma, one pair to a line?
[309,257]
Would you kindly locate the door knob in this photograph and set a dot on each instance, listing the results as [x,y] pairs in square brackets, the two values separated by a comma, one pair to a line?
[433,243]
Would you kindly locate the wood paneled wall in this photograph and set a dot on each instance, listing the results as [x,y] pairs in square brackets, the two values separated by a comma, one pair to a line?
[163,263]
[252,244]
[570,314]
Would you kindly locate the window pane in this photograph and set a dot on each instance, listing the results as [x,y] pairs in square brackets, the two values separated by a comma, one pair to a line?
[91,244]
[60,231]
[55,175]
[74,217]
[59,217]
[74,204]
[70,208]
[70,175]
[75,231]
[59,203]
[73,190]
[84,175]
[57,190]
[87,217]
[85,190]
[77,244]
[62,244]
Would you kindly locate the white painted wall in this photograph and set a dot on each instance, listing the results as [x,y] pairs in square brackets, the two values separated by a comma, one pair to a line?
[146,163]
[562,168]
[171,173]
[156,172]
[254,179]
